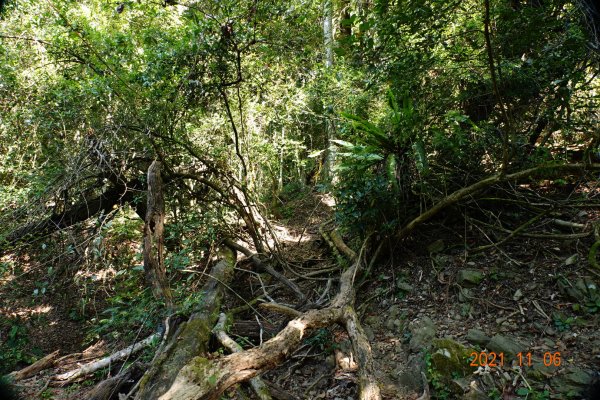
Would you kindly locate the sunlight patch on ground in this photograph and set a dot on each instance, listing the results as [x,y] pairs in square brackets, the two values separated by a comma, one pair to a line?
[28,311]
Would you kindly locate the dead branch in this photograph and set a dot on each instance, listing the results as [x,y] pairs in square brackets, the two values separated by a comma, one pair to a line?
[154,259]
[488,182]
[204,378]
[261,266]
[554,236]
[257,384]
[40,365]
[92,367]
[280,308]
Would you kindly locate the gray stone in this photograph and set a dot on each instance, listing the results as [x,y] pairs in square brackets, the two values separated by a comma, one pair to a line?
[410,377]
[475,394]
[394,311]
[476,336]
[573,383]
[423,331]
[459,385]
[518,295]
[373,321]
[465,295]
[369,332]
[502,344]
[470,277]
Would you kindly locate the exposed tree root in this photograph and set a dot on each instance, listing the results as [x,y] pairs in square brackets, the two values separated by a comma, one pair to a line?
[259,387]
[204,378]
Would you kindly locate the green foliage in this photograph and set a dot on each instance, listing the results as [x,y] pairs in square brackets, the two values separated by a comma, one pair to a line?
[14,345]
[322,339]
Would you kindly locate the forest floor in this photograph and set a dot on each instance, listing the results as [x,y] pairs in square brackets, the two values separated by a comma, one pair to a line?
[536,301]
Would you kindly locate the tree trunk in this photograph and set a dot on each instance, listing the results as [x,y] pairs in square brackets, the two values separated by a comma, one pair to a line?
[191,339]
[154,263]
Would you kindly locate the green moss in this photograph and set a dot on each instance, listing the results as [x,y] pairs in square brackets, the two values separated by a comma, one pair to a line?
[449,360]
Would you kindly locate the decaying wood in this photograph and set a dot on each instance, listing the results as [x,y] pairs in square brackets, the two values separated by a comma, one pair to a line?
[279,308]
[108,388]
[92,367]
[33,369]
[261,266]
[259,387]
[154,261]
[250,329]
[204,378]
[192,336]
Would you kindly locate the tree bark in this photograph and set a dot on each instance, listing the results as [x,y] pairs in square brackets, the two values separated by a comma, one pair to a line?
[154,262]
[191,339]
[203,378]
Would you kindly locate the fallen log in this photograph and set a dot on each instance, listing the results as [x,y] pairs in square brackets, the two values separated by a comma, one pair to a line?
[257,384]
[488,182]
[204,378]
[191,338]
[108,388]
[33,369]
[94,366]
[261,266]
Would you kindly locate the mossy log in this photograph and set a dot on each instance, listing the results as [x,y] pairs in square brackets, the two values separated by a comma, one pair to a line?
[191,339]
[204,378]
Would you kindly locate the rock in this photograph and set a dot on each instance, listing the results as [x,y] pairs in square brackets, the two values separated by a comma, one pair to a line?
[476,336]
[573,383]
[423,332]
[436,246]
[465,295]
[373,321]
[393,311]
[410,378]
[583,291]
[518,295]
[475,394]
[459,385]
[502,344]
[469,277]
[450,362]
[540,372]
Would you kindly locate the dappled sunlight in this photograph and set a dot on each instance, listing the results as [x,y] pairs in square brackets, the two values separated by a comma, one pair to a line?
[24,312]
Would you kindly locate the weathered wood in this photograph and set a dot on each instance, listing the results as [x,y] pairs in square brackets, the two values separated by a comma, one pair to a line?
[204,378]
[94,366]
[259,387]
[33,369]
[192,336]
[154,261]
[261,266]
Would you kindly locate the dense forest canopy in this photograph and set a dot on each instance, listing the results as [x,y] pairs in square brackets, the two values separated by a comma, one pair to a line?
[207,118]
